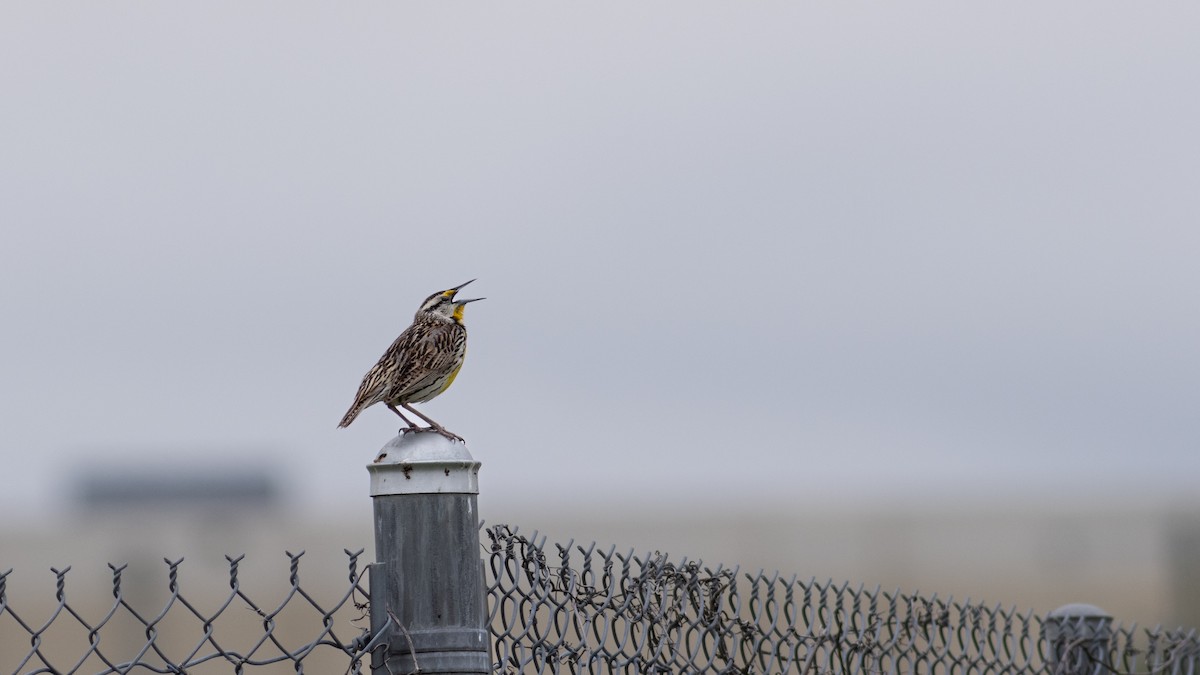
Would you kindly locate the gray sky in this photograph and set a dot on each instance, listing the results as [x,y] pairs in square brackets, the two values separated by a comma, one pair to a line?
[770,252]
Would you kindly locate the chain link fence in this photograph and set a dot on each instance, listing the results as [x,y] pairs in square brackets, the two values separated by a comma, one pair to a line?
[583,609]
[236,632]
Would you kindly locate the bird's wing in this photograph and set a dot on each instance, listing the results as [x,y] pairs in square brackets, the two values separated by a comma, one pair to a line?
[390,367]
[373,383]
[432,355]
[372,390]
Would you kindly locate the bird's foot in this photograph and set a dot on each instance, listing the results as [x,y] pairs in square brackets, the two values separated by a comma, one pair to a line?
[441,431]
[448,434]
[405,430]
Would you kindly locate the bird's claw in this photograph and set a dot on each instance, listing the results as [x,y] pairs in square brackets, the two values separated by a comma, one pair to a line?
[451,436]
[437,430]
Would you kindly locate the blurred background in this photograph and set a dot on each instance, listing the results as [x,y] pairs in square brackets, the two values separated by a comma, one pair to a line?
[893,294]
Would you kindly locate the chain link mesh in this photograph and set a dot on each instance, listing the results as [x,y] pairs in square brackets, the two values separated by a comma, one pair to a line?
[582,609]
[239,634]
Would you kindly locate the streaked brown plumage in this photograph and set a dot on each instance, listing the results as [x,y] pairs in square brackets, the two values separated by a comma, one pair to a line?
[420,364]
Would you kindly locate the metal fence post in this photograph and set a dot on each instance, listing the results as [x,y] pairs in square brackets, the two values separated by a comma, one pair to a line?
[1077,640]
[427,589]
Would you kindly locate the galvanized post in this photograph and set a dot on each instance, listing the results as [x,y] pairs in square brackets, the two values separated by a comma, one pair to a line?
[1077,640]
[427,589]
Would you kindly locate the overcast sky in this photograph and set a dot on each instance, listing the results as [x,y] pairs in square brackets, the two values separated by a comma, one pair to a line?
[760,252]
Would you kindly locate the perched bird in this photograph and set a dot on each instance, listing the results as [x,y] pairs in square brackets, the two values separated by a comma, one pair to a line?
[420,364]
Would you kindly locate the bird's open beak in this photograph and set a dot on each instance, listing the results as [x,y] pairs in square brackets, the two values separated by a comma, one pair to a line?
[463,302]
[454,291]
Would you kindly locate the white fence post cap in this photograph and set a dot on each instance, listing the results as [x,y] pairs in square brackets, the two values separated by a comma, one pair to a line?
[423,462]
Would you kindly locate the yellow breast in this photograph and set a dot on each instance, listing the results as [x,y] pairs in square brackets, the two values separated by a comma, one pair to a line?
[450,380]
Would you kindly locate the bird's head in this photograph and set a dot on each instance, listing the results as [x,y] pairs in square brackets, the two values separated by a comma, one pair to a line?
[444,304]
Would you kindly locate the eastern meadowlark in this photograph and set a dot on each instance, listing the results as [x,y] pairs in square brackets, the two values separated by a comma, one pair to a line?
[420,364]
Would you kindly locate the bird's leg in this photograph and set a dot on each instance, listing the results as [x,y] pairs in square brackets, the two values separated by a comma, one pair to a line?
[433,425]
[411,426]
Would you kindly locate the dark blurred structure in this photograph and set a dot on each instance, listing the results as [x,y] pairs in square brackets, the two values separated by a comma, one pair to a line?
[1183,559]
[236,488]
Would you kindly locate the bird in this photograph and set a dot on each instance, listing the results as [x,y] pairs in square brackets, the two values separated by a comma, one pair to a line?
[421,363]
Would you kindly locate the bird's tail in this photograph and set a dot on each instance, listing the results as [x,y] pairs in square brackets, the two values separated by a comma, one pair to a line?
[352,413]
